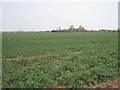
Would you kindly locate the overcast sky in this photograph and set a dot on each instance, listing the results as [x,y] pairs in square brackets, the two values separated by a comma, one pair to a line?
[49,15]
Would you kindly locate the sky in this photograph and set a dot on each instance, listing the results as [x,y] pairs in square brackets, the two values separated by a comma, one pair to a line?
[49,15]
[119,15]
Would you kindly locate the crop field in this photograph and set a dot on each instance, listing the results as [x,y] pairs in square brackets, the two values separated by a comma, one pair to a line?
[58,59]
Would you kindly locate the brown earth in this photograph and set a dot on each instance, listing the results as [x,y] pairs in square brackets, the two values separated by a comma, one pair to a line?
[108,84]
[31,57]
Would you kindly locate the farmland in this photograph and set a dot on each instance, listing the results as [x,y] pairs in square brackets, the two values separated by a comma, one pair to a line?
[58,60]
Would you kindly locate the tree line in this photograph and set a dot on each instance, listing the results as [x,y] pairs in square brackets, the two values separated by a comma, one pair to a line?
[70,29]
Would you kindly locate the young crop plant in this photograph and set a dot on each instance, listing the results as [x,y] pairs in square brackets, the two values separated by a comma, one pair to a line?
[59,60]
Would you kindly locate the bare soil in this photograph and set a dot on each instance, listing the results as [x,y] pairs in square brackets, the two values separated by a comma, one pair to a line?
[108,84]
[31,57]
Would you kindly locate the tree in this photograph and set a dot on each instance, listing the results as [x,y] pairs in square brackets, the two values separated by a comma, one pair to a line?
[81,28]
[71,28]
[53,31]
[59,28]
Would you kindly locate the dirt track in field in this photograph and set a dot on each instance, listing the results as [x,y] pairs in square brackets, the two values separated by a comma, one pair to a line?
[109,84]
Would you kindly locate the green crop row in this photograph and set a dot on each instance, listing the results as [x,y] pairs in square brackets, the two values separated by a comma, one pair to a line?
[72,59]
